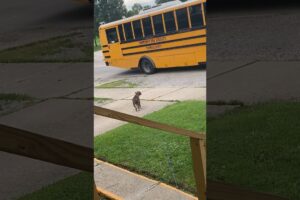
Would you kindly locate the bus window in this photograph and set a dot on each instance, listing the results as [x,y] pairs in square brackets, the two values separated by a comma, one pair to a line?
[170,22]
[182,19]
[147,27]
[137,29]
[128,31]
[121,33]
[196,16]
[112,36]
[158,24]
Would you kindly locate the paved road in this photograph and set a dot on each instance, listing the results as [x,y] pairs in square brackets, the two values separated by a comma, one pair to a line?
[185,77]
[24,22]
[253,54]
[260,33]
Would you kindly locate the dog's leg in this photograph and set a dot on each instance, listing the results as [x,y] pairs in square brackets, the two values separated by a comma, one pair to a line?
[135,107]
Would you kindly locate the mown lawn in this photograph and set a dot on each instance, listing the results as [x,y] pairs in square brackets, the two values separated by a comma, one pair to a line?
[160,155]
[257,147]
[77,187]
[117,84]
[57,49]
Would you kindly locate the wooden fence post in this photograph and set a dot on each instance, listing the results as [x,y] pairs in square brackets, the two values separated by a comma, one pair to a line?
[199,167]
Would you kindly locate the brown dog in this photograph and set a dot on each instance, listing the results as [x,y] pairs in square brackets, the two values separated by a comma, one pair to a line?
[136,101]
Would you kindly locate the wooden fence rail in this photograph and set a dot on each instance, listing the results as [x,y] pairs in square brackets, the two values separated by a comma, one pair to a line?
[197,142]
[44,148]
[36,146]
[148,123]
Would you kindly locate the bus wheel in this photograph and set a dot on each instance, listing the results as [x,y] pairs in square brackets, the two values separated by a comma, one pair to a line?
[147,66]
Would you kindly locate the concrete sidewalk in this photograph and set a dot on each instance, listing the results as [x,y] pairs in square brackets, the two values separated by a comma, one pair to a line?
[130,186]
[153,94]
[62,110]
[258,81]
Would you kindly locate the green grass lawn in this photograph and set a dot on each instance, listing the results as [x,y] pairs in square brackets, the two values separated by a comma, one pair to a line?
[10,102]
[118,84]
[163,156]
[77,187]
[102,100]
[57,49]
[257,147]
[97,45]
[15,97]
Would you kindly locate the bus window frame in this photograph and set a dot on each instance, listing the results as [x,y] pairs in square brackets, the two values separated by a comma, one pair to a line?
[175,22]
[183,29]
[129,40]
[133,33]
[139,21]
[124,32]
[189,17]
[148,36]
[107,38]
[163,29]
[164,24]
[202,18]
[121,25]
[203,6]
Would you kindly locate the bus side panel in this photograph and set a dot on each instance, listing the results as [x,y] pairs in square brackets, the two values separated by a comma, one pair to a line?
[180,57]
[170,58]
[178,50]
[126,62]
[102,37]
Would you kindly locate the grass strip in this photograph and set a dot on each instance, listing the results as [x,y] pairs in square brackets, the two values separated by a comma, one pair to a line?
[77,187]
[118,84]
[154,153]
[257,147]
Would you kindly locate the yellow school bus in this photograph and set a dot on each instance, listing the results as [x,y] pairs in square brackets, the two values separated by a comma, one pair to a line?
[168,35]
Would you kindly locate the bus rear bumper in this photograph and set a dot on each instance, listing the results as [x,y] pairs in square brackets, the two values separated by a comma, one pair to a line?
[202,65]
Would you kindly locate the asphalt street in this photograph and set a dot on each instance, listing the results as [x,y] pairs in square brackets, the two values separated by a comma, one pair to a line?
[269,33]
[172,77]
[253,53]
[23,22]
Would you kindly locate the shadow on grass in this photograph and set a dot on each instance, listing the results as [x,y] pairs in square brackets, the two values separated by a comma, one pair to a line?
[68,48]
[257,147]
[77,187]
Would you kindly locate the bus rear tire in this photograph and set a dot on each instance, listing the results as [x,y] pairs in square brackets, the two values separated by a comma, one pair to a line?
[147,66]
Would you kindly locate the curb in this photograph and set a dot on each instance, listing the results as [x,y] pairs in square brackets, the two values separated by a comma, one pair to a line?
[140,176]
